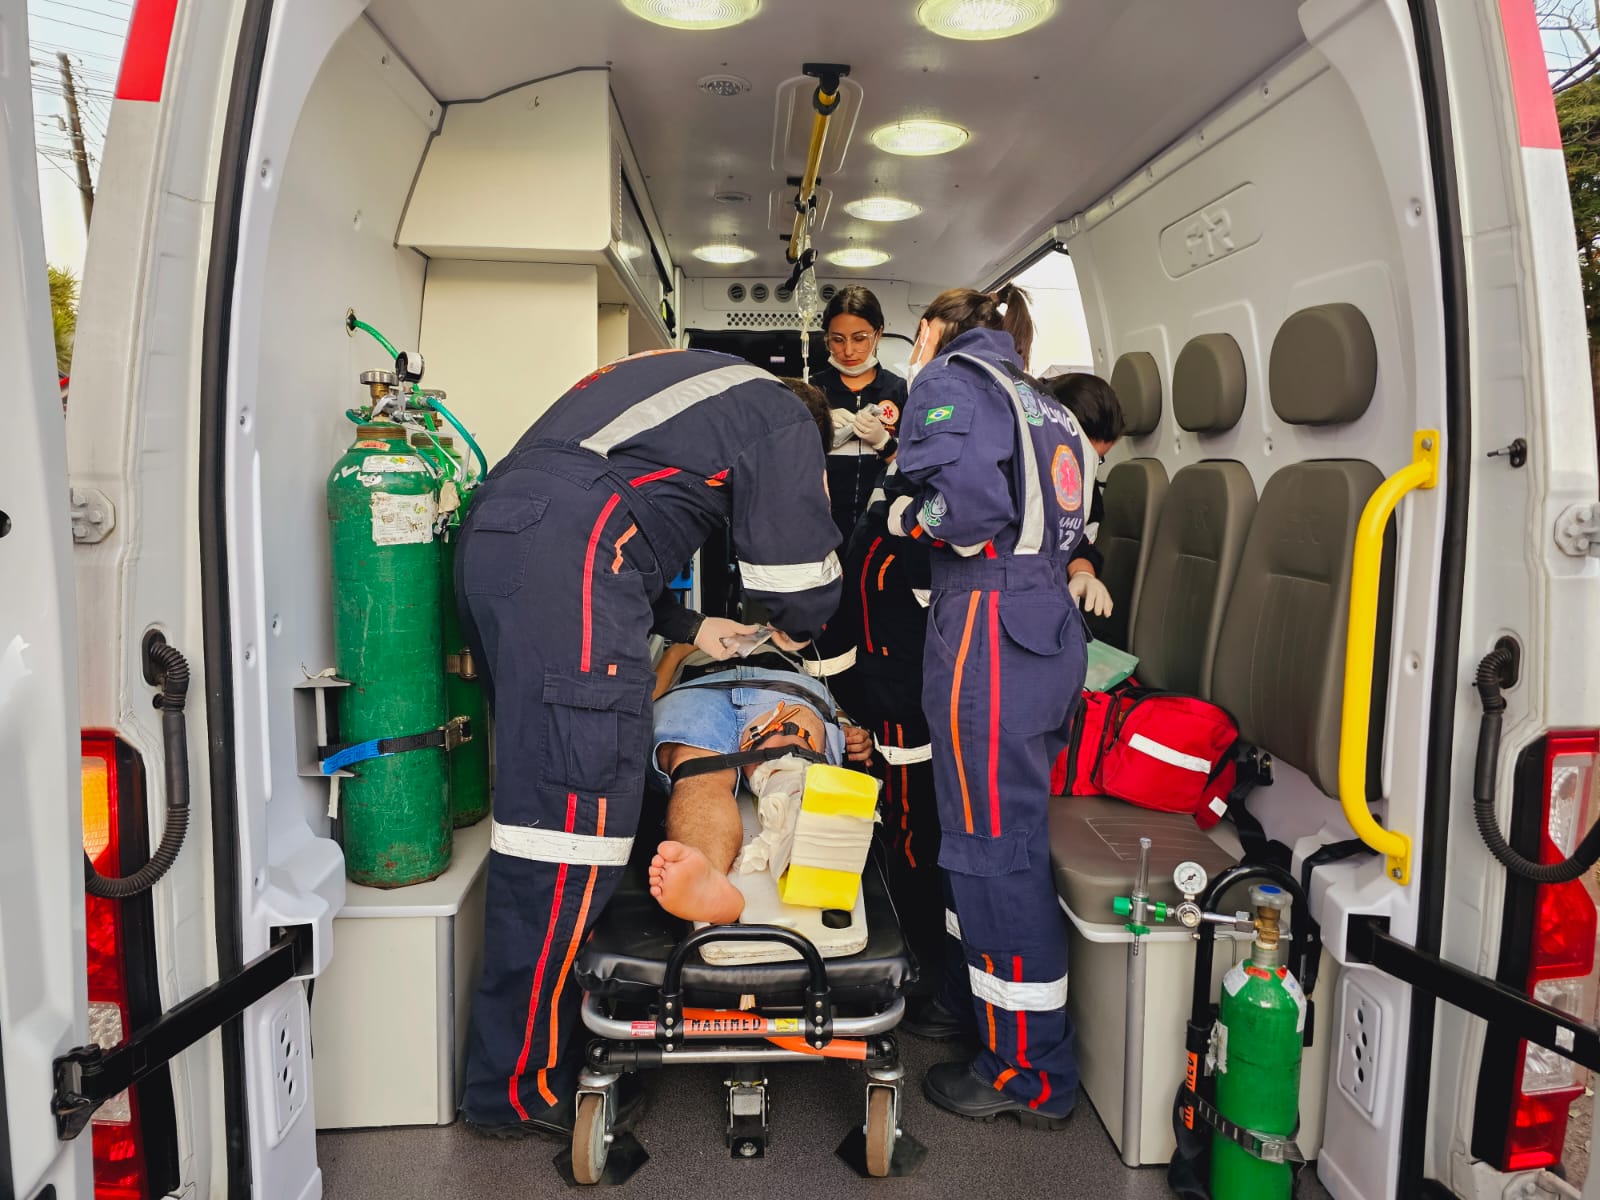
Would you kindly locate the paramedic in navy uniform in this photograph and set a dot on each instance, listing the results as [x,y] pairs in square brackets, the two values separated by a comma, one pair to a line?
[853,382]
[561,575]
[999,479]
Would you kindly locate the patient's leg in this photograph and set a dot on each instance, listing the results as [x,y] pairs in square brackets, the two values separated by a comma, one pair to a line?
[689,874]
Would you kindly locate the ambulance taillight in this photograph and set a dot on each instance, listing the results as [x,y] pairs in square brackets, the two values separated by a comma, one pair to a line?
[120,1169]
[1561,956]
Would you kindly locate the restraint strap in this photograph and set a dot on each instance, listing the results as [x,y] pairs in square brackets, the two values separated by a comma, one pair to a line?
[451,734]
[745,758]
[904,756]
[769,685]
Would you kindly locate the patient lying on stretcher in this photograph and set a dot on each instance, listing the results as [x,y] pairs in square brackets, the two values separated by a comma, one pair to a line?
[730,712]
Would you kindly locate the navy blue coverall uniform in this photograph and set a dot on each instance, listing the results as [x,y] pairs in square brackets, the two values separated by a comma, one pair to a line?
[561,574]
[871,655]
[854,467]
[1001,481]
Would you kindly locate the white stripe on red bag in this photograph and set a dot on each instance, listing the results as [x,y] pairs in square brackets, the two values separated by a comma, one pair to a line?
[1167,754]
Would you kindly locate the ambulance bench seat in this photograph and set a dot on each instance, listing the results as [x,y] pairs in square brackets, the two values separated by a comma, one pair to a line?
[1200,535]
[1133,498]
[626,956]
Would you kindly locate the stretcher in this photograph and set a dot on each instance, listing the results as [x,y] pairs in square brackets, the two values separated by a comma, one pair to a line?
[653,999]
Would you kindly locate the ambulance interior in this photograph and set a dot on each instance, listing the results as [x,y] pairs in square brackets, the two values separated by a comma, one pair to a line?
[1241,189]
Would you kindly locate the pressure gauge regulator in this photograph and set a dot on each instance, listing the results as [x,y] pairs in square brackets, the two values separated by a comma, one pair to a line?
[1189,878]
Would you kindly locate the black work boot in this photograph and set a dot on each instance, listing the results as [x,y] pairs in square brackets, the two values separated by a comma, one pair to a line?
[956,1087]
[931,1021]
[555,1122]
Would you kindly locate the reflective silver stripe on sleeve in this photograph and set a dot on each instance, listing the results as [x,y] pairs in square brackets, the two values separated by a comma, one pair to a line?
[1030,538]
[1018,997]
[555,846]
[669,402]
[790,577]
[904,756]
[836,665]
[952,924]
[896,520]
[854,449]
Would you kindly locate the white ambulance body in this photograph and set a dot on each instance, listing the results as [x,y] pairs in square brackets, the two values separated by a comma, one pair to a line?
[477,179]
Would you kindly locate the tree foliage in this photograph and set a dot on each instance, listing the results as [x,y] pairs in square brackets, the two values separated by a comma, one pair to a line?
[64,314]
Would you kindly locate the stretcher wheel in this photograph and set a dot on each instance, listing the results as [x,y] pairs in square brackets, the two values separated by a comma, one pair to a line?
[589,1146]
[880,1131]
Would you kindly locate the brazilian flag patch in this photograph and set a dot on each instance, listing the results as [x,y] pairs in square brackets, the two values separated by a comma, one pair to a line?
[944,413]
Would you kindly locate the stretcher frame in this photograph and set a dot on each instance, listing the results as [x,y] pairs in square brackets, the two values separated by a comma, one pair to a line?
[746,1040]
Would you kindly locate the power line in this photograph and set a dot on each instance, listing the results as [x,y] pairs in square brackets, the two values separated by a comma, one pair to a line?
[93,12]
[77,25]
[47,48]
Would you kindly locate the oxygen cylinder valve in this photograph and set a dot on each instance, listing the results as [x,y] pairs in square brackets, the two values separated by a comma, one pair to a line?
[381,387]
[1271,924]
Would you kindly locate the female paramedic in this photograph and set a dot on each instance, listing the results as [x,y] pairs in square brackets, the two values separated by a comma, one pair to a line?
[867,400]
[561,572]
[999,479]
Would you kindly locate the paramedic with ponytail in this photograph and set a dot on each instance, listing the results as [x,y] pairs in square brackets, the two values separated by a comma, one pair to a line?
[999,480]
[866,398]
[561,576]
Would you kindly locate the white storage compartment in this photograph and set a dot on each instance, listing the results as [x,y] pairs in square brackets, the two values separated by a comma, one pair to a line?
[389,1016]
[1097,998]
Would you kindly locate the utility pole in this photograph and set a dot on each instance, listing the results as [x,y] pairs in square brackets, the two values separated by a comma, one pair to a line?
[80,156]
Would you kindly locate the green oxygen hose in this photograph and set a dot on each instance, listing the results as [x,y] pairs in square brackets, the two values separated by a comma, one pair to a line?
[483,463]
[351,324]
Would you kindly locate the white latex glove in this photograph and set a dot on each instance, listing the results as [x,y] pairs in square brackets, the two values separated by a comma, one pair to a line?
[843,426]
[870,429]
[1091,595]
[713,630]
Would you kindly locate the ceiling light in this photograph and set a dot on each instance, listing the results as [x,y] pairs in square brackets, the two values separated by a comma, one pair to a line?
[882,208]
[724,253]
[694,14]
[725,85]
[918,139]
[857,256]
[983,20]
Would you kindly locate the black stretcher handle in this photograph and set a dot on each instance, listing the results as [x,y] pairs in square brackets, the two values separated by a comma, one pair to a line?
[818,1019]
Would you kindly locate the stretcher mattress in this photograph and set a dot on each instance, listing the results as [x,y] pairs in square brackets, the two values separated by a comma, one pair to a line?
[627,954]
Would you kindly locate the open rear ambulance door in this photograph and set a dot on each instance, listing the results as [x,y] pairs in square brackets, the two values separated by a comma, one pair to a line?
[43,991]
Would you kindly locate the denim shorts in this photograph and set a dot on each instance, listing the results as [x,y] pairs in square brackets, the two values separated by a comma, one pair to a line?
[714,719]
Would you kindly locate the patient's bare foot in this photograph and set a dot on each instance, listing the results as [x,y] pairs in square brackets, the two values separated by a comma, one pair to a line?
[688,886]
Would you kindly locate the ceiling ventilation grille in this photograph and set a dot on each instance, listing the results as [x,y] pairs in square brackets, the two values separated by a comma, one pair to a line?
[768,320]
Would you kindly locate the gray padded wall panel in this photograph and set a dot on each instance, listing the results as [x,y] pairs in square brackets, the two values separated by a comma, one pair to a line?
[1136,379]
[1133,497]
[1208,384]
[1280,660]
[1199,538]
[1324,366]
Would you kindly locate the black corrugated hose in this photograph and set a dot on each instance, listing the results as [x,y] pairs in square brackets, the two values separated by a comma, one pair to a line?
[172,670]
[1490,682]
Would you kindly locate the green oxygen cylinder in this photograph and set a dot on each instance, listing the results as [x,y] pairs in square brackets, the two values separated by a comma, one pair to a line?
[463,690]
[1258,1049]
[394,816]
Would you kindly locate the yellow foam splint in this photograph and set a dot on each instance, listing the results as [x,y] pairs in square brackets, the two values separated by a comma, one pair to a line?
[831,839]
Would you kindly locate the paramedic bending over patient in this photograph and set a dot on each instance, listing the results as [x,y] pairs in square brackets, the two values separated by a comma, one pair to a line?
[1000,479]
[561,574]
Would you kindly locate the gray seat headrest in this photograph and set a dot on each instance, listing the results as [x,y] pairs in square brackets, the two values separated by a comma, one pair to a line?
[1137,382]
[1324,366]
[1199,538]
[1279,665]
[1133,495]
[1208,384]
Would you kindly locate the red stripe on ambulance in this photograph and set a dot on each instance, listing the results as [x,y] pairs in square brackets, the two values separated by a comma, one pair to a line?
[144,59]
[1537,127]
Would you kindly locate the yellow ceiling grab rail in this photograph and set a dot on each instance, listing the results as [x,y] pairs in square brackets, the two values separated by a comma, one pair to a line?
[1361,633]
[824,100]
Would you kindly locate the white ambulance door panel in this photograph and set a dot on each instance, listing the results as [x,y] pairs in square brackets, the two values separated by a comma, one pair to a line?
[43,999]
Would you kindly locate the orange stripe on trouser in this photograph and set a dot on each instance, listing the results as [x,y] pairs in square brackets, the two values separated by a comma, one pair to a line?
[988,965]
[955,708]
[616,563]
[538,974]
[588,579]
[994,714]
[566,965]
